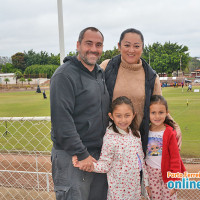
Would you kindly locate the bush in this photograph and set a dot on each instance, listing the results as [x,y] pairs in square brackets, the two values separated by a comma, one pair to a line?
[41,69]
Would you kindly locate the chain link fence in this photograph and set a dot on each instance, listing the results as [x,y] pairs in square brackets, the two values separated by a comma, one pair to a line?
[25,165]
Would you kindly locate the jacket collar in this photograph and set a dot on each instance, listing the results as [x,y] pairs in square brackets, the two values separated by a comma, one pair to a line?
[122,131]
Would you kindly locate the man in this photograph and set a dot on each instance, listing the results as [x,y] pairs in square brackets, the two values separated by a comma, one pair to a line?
[79,108]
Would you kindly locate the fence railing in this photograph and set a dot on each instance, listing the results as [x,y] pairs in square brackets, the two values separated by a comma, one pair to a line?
[25,165]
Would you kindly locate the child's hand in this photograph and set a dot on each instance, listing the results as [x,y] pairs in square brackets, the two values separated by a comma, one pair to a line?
[172,191]
[81,165]
[75,161]
[148,191]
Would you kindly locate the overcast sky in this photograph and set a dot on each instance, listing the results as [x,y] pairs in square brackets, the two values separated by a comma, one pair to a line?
[33,24]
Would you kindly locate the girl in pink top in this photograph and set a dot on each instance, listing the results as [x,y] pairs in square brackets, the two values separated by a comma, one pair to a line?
[121,155]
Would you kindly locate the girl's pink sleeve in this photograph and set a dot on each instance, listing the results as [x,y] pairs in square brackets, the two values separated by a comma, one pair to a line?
[104,163]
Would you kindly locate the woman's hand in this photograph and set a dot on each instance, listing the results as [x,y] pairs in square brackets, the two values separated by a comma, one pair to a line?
[172,192]
[148,191]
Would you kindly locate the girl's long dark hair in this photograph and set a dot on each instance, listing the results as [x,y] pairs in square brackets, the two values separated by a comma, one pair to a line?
[155,99]
[124,100]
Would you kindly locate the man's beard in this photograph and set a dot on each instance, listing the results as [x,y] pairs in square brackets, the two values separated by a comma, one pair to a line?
[85,59]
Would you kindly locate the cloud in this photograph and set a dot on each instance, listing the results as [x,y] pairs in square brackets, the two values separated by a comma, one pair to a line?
[33,24]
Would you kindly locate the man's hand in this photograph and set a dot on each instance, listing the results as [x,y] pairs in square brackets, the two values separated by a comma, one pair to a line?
[85,165]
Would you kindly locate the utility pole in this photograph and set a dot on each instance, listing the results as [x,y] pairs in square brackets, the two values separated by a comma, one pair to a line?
[180,62]
[61,31]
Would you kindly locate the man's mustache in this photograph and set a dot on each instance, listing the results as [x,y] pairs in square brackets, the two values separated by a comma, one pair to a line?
[93,52]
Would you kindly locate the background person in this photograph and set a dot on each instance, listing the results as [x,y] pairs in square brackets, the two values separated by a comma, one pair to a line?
[129,75]
[189,87]
[122,156]
[162,153]
[79,108]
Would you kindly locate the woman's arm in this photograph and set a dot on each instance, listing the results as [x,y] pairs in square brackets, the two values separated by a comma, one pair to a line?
[104,64]
[178,133]
[157,88]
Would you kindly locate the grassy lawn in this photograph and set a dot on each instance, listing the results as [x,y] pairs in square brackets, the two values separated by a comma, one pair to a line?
[29,104]
[24,104]
[28,135]
[188,117]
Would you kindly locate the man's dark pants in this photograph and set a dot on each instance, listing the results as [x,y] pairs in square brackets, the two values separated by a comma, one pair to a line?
[70,183]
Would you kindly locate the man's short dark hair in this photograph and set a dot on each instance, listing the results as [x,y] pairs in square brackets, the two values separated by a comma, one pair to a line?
[81,35]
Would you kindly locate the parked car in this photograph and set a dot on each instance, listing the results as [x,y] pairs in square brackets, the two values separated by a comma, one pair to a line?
[197,81]
[188,81]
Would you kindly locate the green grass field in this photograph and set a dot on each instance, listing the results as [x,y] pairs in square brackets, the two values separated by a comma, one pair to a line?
[29,104]
[188,117]
[24,104]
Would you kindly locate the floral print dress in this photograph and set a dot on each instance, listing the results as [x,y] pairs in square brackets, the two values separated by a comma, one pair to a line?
[120,159]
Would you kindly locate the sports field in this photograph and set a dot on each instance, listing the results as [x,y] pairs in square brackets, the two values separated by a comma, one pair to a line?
[187,116]
[30,103]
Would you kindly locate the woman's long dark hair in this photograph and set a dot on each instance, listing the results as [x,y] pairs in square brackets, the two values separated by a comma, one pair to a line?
[155,99]
[124,100]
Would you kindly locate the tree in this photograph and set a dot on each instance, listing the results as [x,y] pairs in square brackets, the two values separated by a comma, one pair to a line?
[36,70]
[54,59]
[108,54]
[29,80]
[6,80]
[193,64]
[166,58]
[22,79]
[17,75]
[19,61]
[7,68]
[42,58]
[31,58]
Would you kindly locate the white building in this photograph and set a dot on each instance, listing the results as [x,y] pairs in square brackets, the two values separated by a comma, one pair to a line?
[10,76]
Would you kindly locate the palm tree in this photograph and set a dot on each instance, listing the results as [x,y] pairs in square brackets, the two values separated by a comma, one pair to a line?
[29,80]
[17,75]
[6,80]
[22,79]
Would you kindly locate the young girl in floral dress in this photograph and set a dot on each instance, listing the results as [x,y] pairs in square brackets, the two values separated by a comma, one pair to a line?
[122,156]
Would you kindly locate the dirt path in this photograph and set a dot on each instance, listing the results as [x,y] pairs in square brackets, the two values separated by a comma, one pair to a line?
[26,171]
[28,178]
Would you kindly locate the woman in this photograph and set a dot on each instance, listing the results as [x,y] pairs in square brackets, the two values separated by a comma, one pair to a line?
[129,75]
